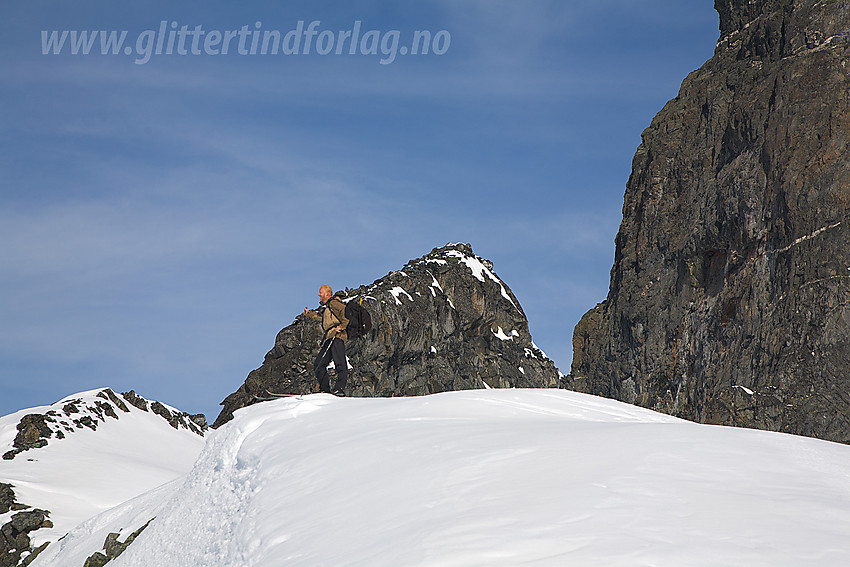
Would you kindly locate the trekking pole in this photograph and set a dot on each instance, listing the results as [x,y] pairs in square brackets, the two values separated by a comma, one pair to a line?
[323,350]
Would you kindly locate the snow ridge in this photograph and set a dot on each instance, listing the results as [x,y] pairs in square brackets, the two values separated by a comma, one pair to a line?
[488,477]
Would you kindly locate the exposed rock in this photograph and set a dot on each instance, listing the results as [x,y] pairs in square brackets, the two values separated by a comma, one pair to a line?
[730,299]
[200,420]
[33,432]
[112,547]
[86,421]
[178,419]
[34,553]
[161,410]
[104,408]
[8,500]
[136,400]
[7,497]
[97,559]
[14,536]
[443,322]
[108,394]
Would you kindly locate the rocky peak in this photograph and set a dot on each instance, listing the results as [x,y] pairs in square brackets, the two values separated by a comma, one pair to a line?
[729,291]
[442,322]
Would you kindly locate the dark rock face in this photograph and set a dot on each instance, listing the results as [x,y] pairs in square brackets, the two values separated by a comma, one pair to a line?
[14,534]
[7,497]
[33,432]
[730,288]
[15,540]
[136,400]
[443,322]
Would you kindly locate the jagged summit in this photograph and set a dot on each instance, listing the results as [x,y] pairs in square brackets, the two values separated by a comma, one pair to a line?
[443,322]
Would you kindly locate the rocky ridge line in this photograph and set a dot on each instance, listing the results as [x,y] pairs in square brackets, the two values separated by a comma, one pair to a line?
[443,322]
[35,429]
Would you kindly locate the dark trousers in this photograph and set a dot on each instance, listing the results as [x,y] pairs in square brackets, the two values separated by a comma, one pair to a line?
[331,349]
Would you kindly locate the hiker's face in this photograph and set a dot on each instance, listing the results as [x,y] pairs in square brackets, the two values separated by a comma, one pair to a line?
[324,295]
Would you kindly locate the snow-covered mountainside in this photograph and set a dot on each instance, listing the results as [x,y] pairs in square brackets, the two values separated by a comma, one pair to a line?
[485,477]
[64,463]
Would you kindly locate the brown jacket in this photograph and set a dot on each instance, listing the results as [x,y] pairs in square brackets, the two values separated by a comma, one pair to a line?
[333,315]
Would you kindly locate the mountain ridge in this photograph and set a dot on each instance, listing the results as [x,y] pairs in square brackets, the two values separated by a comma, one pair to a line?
[444,321]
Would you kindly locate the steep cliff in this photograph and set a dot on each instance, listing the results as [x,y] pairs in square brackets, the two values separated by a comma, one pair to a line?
[729,292]
[443,322]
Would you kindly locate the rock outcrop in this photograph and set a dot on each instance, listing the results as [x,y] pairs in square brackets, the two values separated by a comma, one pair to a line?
[443,322]
[15,546]
[730,290]
[113,547]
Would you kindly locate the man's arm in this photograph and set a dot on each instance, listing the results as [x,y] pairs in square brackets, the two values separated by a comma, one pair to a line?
[312,315]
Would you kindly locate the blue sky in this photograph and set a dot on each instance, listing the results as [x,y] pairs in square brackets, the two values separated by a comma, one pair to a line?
[161,222]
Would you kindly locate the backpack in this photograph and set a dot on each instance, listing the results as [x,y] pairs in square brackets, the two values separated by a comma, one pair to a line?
[359,320]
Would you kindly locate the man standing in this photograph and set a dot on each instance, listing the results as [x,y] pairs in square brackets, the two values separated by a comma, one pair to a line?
[334,324]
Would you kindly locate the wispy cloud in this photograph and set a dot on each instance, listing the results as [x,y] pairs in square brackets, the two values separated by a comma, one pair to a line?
[167,219]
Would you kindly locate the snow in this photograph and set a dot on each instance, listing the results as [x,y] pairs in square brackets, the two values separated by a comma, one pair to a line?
[396,291]
[540,351]
[500,334]
[479,270]
[485,477]
[89,471]
[434,284]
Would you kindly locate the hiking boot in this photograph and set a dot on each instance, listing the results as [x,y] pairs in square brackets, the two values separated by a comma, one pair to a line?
[338,392]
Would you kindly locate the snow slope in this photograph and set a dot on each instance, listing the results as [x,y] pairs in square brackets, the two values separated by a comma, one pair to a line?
[92,470]
[489,477]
